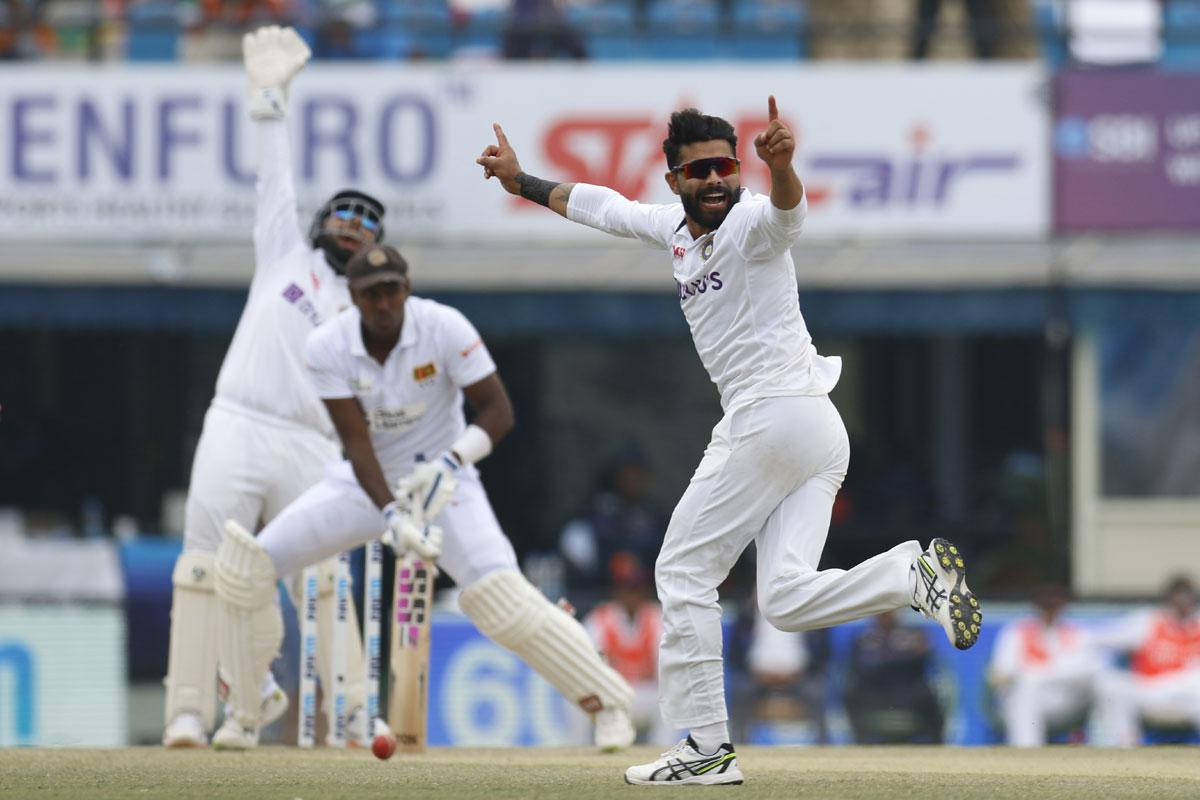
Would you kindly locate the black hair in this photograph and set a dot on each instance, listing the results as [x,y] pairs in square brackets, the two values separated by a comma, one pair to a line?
[690,126]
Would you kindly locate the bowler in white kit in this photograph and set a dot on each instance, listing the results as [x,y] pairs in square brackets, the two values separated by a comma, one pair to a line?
[393,371]
[777,457]
[266,434]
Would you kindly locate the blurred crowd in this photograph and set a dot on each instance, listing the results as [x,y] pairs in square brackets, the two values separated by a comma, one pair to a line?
[1089,31]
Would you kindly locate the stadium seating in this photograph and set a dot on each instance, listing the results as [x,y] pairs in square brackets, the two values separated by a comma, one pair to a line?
[767,29]
[153,31]
[1181,35]
[608,26]
[415,29]
[683,29]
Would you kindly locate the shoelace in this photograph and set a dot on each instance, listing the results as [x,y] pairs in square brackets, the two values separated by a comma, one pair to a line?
[934,595]
[675,750]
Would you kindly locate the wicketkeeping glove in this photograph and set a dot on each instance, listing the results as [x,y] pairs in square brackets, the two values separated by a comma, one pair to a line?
[404,534]
[273,55]
[431,485]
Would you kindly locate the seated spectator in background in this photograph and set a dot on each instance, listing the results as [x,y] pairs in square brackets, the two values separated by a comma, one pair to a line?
[1043,671]
[1162,685]
[622,517]
[781,685]
[626,631]
[888,695]
[537,29]
[1114,32]
[985,23]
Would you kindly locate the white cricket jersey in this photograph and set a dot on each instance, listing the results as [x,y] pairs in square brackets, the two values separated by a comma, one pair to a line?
[413,401]
[737,288]
[293,291]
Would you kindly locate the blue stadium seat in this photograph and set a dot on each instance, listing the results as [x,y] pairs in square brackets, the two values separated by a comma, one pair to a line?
[608,27]
[767,29]
[415,29]
[1051,32]
[483,31]
[682,29]
[1181,35]
[153,31]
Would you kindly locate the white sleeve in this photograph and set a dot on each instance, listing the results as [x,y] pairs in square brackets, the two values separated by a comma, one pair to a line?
[1006,659]
[276,227]
[1124,635]
[593,631]
[465,355]
[601,208]
[326,372]
[763,231]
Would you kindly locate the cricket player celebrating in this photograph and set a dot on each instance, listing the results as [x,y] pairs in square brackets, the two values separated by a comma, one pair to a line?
[779,453]
[393,371]
[266,435]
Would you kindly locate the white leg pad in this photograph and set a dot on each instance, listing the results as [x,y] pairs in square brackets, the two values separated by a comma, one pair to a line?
[250,628]
[355,679]
[192,660]
[510,611]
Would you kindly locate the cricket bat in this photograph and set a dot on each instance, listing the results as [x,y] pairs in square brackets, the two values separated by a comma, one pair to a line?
[408,687]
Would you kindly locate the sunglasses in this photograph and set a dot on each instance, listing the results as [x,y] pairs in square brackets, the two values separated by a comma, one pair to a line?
[701,167]
[368,223]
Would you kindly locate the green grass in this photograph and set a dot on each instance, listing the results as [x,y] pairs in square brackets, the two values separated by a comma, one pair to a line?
[850,772]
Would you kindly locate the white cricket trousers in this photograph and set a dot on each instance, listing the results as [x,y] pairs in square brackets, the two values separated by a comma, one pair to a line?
[769,475]
[1124,700]
[248,467]
[1039,699]
[336,515]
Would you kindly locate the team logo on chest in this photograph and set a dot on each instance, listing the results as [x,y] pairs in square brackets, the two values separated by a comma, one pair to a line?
[706,251]
[425,373]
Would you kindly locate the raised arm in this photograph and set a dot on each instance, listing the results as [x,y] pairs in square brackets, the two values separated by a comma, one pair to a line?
[500,160]
[272,56]
[776,147]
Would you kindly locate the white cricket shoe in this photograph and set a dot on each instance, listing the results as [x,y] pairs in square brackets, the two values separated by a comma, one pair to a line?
[232,736]
[940,592]
[614,730]
[684,764]
[186,730]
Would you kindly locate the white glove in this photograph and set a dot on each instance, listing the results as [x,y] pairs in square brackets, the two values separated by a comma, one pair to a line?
[273,55]
[404,534]
[431,485]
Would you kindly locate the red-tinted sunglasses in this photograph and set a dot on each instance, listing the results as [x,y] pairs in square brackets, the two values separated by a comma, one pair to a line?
[701,167]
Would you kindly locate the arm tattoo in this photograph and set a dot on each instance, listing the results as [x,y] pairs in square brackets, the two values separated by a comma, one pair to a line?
[536,189]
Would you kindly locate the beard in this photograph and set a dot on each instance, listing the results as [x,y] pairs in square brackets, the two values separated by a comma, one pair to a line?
[706,218]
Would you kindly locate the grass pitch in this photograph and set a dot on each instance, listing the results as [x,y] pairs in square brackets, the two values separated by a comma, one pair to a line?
[494,774]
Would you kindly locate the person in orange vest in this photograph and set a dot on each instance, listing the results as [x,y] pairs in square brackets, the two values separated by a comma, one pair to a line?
[626,631]
[1043,670]
[1163,681]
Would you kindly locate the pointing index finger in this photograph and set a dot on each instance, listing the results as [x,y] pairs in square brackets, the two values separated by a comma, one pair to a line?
[500,137]
[772,109]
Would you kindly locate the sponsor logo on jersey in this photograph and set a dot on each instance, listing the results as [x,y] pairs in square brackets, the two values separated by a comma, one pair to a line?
[424,372]
[396,419]
[699,285]
[471,348]
[295,295]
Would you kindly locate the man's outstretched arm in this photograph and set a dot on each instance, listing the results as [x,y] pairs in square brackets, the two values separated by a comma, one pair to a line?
[500,160]
[776,147]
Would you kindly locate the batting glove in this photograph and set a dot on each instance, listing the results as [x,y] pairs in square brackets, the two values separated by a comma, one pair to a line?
[273,55]
[431,485]
[403,535]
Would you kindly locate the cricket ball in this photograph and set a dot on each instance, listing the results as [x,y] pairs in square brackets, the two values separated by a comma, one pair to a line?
[383,746]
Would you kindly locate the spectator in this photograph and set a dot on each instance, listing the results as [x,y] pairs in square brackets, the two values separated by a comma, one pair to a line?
[888,695]
[622,517]
[984,23]
[1162,684]
[537,29]
[626,631]
[1043,671]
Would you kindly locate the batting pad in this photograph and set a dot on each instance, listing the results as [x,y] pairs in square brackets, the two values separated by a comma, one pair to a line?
[511,612]
[192,660]
[249,626]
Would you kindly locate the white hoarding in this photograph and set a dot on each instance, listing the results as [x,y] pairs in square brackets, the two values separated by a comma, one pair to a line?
[165,153]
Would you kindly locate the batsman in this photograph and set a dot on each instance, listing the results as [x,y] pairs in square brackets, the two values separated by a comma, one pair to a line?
[393,371]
